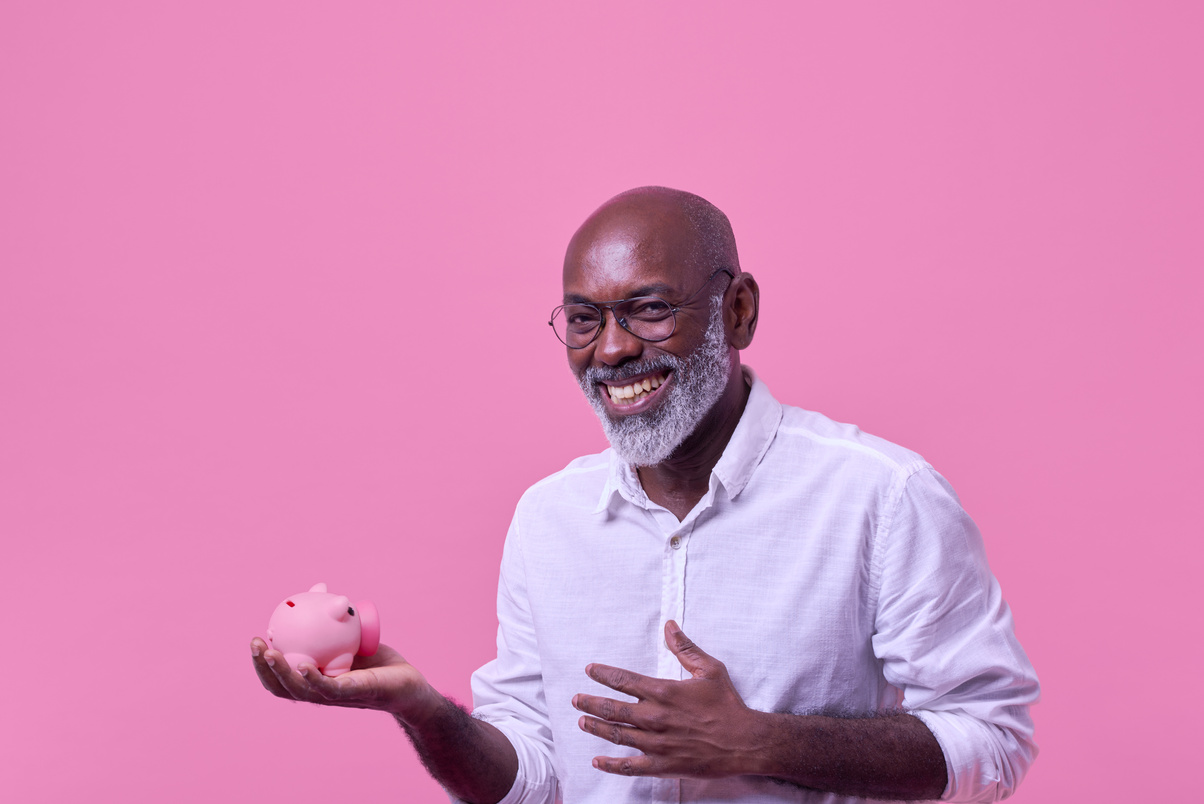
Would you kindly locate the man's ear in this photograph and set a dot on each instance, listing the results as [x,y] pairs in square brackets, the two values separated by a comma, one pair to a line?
[744,302]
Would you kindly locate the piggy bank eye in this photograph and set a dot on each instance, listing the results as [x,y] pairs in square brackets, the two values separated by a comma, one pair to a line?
[290,603]
[351,611]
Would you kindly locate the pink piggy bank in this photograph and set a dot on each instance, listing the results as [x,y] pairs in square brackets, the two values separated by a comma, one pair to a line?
[324,630]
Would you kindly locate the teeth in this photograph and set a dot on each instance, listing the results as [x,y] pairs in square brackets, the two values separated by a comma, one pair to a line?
[620,395]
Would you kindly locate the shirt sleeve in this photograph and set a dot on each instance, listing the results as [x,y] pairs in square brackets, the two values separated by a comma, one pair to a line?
[508,691]
[945,637]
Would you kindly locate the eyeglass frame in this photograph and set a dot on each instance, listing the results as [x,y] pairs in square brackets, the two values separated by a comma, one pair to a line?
[602,307]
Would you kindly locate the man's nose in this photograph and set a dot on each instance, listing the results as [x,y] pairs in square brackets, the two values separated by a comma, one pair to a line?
[615,345]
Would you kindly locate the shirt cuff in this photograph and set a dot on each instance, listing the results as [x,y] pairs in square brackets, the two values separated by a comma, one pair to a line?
[535,782]
[983,762]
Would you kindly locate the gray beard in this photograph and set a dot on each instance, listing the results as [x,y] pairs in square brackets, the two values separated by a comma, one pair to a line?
[646,439]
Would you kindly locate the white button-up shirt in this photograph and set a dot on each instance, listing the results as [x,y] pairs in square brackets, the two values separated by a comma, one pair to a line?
[831,571]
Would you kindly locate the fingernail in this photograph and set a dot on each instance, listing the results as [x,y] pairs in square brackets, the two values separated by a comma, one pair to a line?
[271,662]
[255,651]
[303,671]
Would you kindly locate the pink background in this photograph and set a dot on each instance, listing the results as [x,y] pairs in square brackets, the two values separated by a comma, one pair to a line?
[273,285]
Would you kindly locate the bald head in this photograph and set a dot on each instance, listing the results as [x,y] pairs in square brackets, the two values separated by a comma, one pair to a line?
[669,227]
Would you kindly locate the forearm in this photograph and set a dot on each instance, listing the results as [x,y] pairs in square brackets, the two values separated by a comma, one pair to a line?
[887,756]
[469,757]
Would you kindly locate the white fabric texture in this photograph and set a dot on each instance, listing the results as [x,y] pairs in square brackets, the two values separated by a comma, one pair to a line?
[828,569]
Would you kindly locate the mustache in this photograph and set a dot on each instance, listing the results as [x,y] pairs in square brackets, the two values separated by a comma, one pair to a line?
[597,374]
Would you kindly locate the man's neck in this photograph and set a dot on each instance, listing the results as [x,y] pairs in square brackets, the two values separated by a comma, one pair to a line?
[680,481]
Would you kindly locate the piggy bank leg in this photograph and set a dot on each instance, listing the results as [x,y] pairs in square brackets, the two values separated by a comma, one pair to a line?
[295,660]
[339,665]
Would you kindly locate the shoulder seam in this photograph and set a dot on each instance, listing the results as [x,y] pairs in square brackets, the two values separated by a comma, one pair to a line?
[886,524]
[853,445]
[576,470]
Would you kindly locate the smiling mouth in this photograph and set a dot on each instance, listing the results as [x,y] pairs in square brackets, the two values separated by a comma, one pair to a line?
[622,395]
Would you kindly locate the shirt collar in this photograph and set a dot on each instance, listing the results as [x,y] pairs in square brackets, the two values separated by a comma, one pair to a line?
[754,433]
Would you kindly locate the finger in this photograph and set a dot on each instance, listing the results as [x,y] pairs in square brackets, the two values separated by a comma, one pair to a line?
[295,684]
[693,658]
[628,766]
[608,708]
[613,732]
[264,671]
[624,681]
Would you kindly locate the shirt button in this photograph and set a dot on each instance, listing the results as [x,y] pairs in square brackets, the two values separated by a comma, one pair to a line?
[675,542]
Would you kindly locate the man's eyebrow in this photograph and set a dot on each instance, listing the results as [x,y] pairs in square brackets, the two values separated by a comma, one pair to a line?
[658,289]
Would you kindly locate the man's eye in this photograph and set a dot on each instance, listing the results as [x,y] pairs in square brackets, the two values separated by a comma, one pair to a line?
[582,320]
[649,310]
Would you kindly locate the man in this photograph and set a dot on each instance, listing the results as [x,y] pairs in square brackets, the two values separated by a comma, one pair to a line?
[851,641]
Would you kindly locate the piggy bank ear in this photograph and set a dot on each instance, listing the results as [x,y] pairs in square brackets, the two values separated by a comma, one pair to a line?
[318,587]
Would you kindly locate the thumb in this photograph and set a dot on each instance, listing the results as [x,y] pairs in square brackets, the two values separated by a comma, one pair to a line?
[692,657]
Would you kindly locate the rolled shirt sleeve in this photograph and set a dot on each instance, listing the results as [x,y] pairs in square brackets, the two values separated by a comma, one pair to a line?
[508,692]
[945,637]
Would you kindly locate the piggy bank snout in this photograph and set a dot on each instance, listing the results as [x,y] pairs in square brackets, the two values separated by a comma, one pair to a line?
[369,627]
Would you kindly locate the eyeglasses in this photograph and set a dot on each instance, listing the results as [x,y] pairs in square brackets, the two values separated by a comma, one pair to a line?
[649,318]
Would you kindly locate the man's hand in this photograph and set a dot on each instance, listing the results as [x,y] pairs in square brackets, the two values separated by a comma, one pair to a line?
[384,681]
[700,728]
[696,728]
[469,757]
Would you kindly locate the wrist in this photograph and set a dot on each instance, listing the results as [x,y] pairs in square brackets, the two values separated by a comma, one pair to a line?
[777,742]
[419,707]
[753,754]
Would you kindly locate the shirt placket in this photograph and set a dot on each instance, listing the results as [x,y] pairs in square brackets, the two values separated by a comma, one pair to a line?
[673,595]
[673,602]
